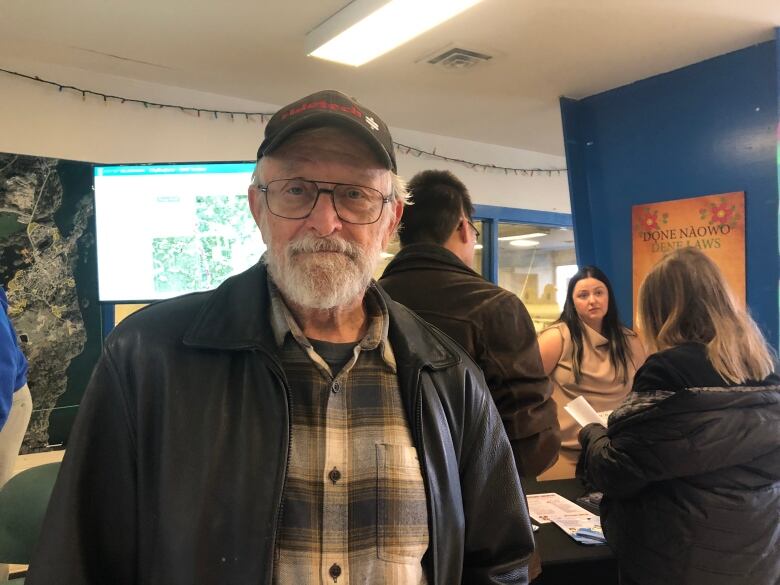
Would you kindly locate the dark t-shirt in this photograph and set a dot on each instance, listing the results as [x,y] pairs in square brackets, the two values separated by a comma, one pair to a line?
[335,354]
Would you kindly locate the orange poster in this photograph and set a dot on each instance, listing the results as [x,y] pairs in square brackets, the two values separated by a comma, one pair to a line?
[714,223]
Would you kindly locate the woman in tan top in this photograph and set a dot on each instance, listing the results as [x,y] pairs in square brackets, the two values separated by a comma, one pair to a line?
[589,353]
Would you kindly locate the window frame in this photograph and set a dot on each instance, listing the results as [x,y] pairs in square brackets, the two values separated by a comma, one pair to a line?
[491,216]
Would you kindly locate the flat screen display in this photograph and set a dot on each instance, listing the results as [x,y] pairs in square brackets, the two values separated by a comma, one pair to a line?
[167,230]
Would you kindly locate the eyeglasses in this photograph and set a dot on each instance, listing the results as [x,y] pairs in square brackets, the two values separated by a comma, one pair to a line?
[296,199]
[476,231]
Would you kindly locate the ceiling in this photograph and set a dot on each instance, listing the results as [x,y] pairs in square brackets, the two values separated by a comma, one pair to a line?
[253,49]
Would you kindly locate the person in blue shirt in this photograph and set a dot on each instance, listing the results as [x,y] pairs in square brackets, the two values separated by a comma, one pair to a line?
[13,365]
[15,399]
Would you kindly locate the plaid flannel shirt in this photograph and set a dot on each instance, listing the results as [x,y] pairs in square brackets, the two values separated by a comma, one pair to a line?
[354,506]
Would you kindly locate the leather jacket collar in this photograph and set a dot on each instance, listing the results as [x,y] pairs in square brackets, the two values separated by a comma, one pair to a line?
[236,317]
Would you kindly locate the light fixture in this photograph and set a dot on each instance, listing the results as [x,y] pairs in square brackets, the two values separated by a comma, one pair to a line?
[524,243]
[385,255]
[521,237]
[365,29]
[477,246]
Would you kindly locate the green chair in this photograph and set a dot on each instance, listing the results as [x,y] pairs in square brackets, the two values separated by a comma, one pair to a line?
[23,502]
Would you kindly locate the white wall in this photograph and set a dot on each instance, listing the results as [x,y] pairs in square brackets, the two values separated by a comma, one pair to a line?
[37,119]
[489,187]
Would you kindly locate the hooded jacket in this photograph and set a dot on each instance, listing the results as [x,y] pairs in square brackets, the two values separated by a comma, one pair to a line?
[690,470]
[494,327]
[175,469]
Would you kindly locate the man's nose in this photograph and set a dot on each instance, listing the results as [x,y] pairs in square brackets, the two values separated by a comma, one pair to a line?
[323,218]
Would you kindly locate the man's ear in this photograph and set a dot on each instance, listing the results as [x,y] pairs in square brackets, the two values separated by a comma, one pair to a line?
[397,208]
[463,231]
[255,196]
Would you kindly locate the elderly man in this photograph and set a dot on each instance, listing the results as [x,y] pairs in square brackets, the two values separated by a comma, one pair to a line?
[294,426]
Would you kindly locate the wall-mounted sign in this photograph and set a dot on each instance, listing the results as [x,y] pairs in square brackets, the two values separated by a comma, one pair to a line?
[713,223]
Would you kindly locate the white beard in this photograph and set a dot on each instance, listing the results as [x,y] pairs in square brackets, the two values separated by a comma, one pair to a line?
[323,273]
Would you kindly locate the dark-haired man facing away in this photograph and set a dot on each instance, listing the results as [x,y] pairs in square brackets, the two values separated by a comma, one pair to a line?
[432,276]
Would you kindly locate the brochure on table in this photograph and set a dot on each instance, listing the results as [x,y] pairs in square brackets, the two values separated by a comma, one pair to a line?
[574,520]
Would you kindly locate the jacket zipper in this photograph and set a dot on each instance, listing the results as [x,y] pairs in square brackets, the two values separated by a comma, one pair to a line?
[280,502]
[423,465]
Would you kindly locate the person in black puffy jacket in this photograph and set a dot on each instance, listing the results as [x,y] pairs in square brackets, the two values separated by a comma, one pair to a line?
[690,463]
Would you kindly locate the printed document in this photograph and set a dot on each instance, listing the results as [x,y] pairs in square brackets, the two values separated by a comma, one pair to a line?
[546,508]
[582,412]
[575,521]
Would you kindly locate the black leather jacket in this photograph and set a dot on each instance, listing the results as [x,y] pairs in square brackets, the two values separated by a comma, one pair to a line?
[176,465]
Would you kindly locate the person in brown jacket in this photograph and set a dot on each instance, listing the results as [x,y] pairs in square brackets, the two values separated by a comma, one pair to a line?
[432,276]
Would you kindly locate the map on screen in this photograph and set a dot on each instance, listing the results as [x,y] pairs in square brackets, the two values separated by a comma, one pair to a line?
[167,230]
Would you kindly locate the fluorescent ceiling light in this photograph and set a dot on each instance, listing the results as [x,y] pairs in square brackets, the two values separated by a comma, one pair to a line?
[523,237]
[524,243]
[386,255]
[365,29]
[477,246]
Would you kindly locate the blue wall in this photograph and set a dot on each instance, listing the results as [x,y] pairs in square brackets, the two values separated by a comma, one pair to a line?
[704,129]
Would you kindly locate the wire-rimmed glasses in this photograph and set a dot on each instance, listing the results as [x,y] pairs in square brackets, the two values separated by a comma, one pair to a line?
[296,199]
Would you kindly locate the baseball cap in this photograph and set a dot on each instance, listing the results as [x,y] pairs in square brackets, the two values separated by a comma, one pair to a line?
[329,108]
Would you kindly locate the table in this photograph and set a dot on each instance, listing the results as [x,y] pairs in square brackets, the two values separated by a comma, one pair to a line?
[564,561]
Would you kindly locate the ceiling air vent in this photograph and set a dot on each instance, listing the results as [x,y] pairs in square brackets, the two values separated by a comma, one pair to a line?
[457,59]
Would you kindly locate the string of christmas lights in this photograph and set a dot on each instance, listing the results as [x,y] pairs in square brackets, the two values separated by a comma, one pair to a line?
[265,116]
[404,149]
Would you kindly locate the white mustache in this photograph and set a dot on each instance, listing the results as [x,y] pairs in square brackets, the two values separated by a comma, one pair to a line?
[310,244]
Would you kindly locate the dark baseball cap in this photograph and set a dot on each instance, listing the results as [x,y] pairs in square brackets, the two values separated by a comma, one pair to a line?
[329,108]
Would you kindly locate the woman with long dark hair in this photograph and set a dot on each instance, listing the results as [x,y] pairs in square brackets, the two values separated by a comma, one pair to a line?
[587,352]
[690,463]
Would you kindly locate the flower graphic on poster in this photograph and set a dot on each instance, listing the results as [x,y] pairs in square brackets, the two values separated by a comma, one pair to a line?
[650,221]
[723,213]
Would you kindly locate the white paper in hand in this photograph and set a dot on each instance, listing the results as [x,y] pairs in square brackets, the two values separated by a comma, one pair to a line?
[581,411]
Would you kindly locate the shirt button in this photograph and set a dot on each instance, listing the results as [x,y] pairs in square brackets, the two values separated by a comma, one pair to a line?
[336,387]
[334,571]
[334,476]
